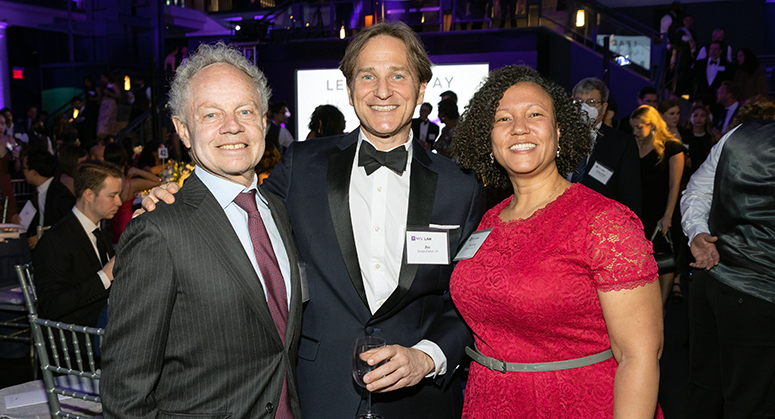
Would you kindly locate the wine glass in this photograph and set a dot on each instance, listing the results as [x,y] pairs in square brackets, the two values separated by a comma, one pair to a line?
[361,368]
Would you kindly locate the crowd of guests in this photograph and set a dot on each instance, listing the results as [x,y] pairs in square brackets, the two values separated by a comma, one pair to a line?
[554,294]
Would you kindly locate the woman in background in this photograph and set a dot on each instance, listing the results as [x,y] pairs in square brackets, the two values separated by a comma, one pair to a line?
[111,93]
[448,114]
[70,156]
[750,76]
[671,114]
[661,168]
[7,141]
[135,180]
[326,121]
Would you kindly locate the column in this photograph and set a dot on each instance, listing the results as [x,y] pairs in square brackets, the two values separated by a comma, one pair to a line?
[5,69]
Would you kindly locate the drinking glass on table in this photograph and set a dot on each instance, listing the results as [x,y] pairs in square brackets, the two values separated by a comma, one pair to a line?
[361,367]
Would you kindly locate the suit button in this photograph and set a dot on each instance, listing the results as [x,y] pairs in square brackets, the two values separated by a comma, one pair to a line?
[269,407]
[369,331]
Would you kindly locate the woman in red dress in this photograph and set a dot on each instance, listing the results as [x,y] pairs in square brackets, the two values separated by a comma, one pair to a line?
[561,296]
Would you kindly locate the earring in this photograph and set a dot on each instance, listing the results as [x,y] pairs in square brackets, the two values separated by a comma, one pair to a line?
[558,151]
[492,159]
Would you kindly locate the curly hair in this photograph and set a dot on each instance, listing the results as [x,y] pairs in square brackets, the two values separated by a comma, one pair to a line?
[472,142]
[757,108]
[204,56]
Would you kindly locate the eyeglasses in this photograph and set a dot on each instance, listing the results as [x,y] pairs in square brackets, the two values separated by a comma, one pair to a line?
[591,102]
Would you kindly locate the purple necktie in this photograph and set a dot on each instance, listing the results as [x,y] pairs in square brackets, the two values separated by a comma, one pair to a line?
[273,281]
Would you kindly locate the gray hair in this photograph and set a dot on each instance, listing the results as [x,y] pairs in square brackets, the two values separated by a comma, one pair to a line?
[589,84]
[204,56]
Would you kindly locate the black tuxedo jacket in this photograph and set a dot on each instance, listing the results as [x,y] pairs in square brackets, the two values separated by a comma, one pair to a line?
[59,203]
[66,265]
[432,129]
[703,89]
[313,179]
[618,152]
[189,330]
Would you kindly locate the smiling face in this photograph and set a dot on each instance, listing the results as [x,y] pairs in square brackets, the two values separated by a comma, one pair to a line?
[671,116]
[385,91]
[226,125]
[525,135]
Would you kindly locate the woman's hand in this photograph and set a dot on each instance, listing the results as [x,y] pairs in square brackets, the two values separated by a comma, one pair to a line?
[664,224]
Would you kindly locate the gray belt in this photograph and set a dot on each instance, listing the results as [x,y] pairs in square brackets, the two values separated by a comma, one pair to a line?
[502,366]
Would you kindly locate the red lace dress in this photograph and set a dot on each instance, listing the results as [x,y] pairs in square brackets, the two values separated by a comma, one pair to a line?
[530,295]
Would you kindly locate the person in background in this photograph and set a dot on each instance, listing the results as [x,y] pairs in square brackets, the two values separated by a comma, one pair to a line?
[727,97]
[646,96]
[612,167]
[111,93]
[7,143]
[449,94]
[52,200]
[699,141]
[74,260]
[758,108]
[562,295]
[277,134]
[423,129]
[134,180]
[750,76]
[728,212]
[716,36]
[326,121]
[448,115]
[70,156]
[661,168]
[670,112]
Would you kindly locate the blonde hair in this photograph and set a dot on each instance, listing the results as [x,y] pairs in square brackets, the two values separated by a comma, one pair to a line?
[661,135]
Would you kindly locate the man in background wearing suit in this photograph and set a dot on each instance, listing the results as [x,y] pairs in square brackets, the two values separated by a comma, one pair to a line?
[710,73]
[423,129]
[205,312]
[613,167]
[51,198]
[353,199]
[74,260]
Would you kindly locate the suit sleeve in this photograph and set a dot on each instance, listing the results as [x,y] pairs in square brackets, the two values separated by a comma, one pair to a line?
[59,292]
[449,331]
[139,313]
[630,190]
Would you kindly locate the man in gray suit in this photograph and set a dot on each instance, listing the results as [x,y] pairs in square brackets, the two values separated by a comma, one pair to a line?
[205,312]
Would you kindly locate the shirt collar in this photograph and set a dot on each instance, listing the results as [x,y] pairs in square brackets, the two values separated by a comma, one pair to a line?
[732,107]
[44,186]
[407,144]
[225,190]
[87,224]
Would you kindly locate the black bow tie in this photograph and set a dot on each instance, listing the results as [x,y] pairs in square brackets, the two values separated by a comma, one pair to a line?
[714,62]
[425,122]
[372,159]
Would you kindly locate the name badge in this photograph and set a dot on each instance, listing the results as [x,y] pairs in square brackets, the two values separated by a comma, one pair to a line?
[472,245]
[427,247]
[601,173]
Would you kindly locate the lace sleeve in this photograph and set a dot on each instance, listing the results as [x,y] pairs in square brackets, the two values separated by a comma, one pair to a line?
[620,256]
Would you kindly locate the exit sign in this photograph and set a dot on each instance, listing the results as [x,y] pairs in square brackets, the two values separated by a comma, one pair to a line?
[18,73]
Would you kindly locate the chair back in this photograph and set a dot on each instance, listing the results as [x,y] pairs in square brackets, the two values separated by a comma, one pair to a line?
[64,349]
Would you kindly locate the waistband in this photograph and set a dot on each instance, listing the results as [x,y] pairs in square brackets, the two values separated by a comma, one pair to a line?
[502,366]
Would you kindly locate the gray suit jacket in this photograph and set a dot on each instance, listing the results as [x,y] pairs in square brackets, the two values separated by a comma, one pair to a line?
[189,331]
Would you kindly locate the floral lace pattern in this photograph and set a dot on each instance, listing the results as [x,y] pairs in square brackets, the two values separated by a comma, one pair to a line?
[530,295]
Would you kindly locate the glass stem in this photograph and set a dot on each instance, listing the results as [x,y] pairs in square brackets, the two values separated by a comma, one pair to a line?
[368,403]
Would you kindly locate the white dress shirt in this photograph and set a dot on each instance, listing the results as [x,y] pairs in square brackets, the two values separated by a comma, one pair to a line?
[712,70]
[285,138]
[424,125]
[728,117]
[89,226]
[379,204]
[42,190]
[698,195]
[225,191]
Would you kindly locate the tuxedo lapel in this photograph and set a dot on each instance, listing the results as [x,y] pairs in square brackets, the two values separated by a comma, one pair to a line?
[338,185]
[422,190]
[210,222]
[82,240]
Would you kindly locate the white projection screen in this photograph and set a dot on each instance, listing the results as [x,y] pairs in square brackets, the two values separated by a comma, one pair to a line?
[328,87]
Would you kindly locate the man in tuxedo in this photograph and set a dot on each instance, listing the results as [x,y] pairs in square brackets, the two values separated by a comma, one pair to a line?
[353,199]
[613,166]
[423,129]
[52,200]
[74,260]
[205,313]
[710,73]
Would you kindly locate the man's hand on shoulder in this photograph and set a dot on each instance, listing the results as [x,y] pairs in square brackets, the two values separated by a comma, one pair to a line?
[405,367]
[163,192]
